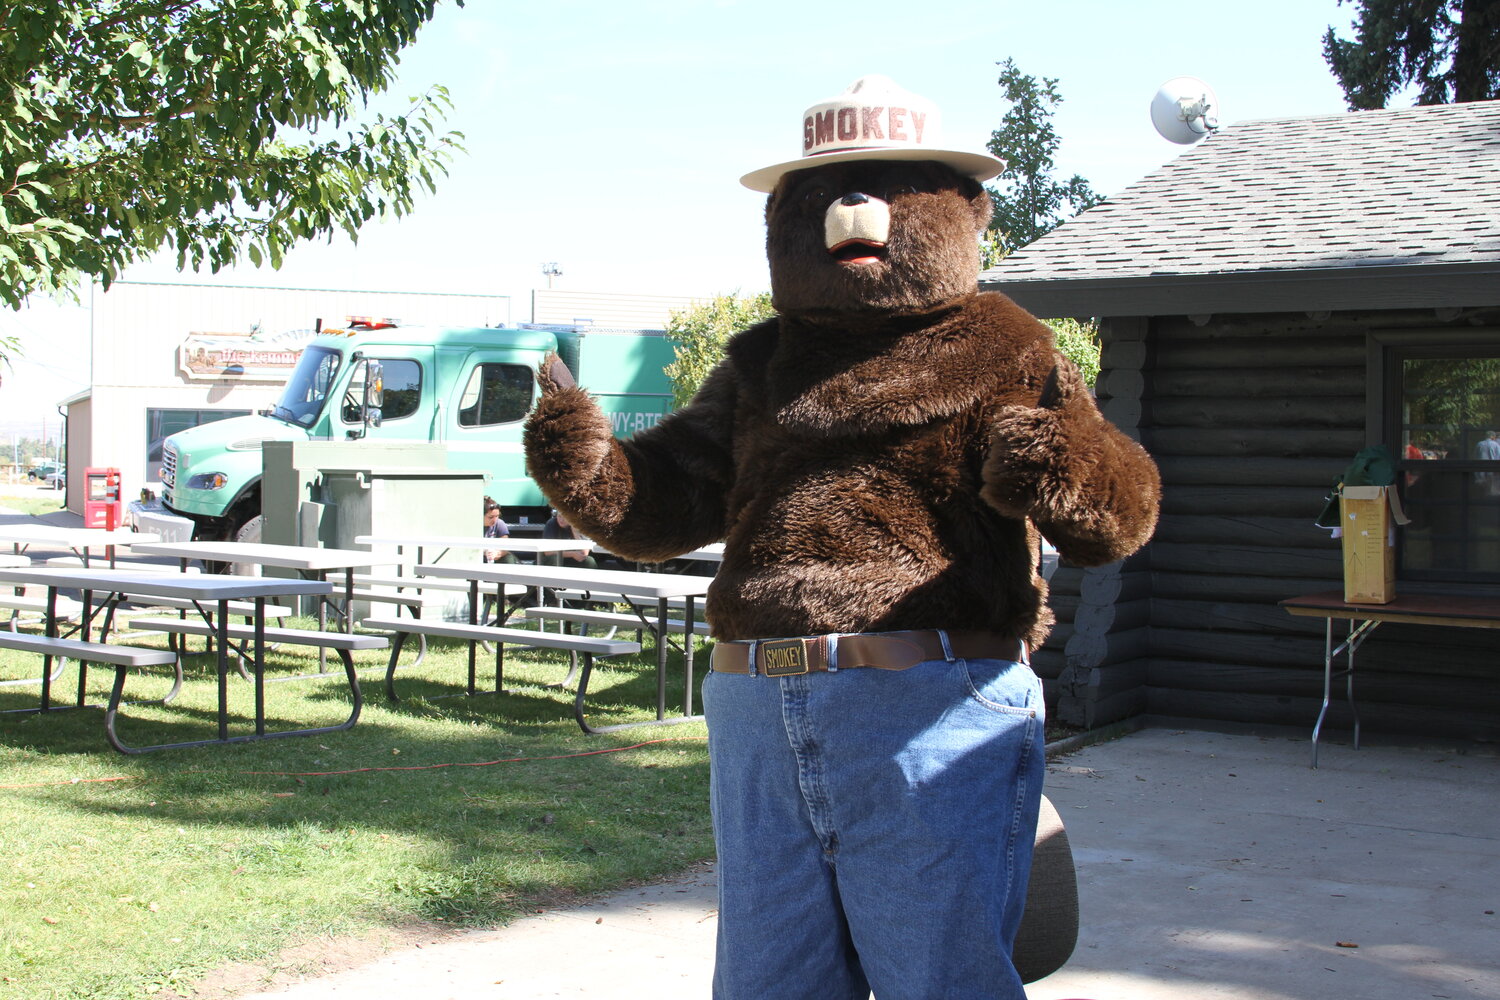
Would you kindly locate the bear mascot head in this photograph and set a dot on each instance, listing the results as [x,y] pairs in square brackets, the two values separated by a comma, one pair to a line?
[874,237]
[876,215]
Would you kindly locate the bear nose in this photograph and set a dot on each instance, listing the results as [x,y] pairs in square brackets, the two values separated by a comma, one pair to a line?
[854,198]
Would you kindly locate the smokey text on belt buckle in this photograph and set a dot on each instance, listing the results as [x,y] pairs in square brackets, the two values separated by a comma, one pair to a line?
[782,657]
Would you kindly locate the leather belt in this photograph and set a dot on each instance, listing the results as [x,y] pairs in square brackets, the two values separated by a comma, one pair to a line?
[882,650]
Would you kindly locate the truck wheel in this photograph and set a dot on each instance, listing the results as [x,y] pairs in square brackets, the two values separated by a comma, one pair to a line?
[248,532]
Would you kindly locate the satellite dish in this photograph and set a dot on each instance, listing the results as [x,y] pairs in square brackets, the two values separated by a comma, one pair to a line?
[1185,110]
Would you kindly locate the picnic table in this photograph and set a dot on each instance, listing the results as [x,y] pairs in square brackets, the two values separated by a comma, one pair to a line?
[523,546]
[536,547]
[79,540]
[310,562]
[707,553]
[713,553]
[660,587]
[211,593]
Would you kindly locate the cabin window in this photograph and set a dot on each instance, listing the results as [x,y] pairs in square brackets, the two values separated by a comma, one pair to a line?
[1442,409]
[495,394]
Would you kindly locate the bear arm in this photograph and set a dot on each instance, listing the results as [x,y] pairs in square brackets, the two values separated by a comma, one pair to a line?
[649,497]
[1090,490]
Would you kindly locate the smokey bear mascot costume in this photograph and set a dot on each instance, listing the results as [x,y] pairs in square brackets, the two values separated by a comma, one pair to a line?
[878,461]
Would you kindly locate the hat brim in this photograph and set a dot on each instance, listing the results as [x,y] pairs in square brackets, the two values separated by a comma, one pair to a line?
[979,166]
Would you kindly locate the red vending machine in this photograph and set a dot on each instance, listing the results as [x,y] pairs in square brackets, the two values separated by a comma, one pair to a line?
[101,498]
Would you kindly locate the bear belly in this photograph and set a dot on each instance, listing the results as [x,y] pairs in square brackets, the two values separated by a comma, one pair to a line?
[859,549]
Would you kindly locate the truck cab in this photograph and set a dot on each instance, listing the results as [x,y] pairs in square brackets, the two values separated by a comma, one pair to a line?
[467,389]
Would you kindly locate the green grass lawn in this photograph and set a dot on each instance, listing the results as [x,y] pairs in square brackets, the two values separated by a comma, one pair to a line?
[33,503]
[129,877]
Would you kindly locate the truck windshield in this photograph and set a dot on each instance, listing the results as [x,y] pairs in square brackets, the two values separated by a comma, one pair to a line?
[309,387]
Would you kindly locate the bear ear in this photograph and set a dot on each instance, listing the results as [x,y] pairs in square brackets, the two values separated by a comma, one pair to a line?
[984,209]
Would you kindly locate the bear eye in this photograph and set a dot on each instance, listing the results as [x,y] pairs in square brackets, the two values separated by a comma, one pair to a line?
[816,196]
[896,189]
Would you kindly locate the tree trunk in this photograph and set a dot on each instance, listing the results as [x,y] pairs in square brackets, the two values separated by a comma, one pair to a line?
[1478,34]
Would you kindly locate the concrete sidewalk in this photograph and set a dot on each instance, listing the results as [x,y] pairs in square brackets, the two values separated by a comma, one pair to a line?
[61,518]
[1211,867]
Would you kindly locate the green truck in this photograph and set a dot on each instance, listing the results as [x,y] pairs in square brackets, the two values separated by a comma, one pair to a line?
[467,389]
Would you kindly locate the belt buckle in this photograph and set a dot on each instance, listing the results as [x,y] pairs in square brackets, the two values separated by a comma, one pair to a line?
[781,657]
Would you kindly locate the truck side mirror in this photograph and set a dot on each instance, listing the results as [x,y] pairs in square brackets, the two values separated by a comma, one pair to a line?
[373,398]
[374,386]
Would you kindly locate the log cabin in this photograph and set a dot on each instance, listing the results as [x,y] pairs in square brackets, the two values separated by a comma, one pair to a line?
[1271,301]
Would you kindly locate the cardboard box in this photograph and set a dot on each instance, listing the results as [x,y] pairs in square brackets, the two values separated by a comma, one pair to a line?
[1368,516]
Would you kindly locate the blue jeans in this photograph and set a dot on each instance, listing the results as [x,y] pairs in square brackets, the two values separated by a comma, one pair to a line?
[874,829]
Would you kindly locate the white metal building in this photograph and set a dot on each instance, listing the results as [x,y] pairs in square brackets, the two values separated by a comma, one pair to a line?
[164,357]
[624,311]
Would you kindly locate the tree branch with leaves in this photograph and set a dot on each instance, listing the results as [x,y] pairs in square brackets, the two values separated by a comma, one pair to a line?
[218,130]
[701,332]
[1448,50]
[1029,203]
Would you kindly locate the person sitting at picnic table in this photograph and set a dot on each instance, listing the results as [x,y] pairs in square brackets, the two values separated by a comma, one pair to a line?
[495,527]
[557,526]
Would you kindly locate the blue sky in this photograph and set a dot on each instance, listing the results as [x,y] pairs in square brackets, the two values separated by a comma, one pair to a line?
[610,137]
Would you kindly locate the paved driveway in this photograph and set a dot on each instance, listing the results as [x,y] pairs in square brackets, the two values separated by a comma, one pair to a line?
[1212,867]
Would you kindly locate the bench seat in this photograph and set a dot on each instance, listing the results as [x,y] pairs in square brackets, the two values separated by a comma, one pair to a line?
[121,657]
[341,641]
[93,652]
[675,603]
[427,583]
[184,604]
[500,635]
[410,599]
[134,567]
[618,619]
[66,607]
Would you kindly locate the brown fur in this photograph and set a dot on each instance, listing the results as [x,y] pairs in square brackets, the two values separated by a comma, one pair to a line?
[874,458]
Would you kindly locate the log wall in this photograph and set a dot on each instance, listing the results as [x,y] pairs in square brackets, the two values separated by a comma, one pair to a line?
[1094,663]
[1249,418]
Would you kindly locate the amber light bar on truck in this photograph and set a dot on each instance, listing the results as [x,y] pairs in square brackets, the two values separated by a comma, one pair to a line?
[359,324]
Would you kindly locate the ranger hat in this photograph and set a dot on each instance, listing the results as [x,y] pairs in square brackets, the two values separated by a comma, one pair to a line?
[874,120]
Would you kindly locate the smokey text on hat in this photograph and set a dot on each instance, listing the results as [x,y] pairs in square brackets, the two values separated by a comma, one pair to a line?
[848,124]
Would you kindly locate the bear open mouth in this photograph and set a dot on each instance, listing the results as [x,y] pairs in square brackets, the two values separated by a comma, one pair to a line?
[858,252]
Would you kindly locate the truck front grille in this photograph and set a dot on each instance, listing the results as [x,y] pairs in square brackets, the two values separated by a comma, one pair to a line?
[168,465]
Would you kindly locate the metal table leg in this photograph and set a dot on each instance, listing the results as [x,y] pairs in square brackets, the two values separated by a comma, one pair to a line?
[661,658]
[1357,635]
[687,657]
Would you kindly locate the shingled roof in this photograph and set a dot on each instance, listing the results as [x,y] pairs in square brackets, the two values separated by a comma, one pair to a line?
[1373,209]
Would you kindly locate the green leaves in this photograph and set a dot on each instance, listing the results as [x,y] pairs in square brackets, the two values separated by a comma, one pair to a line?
[1079,342]
[701,332]
[130,128]
[1028,202]
[1448,50]
[141,53]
